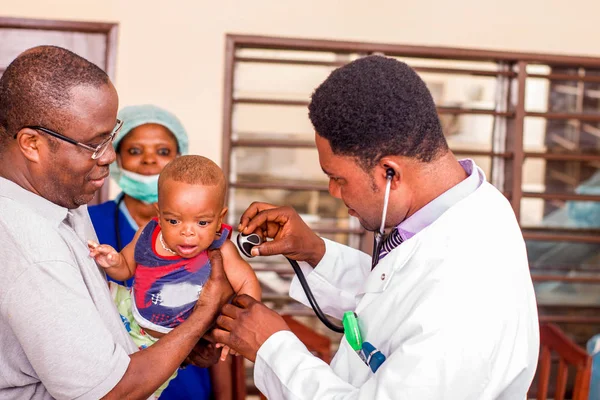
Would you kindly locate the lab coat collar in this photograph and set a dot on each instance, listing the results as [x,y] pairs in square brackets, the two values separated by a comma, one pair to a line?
[380,277]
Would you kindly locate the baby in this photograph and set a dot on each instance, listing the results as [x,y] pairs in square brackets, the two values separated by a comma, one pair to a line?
[168,256]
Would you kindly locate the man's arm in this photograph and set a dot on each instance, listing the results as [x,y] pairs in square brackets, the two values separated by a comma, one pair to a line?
[152,366]
[68,343]
[62,333]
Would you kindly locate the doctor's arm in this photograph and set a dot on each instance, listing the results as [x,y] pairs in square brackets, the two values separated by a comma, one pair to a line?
[324,263]
[424,367]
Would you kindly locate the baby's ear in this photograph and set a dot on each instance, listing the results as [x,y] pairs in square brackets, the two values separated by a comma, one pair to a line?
[158,215]
[223,213]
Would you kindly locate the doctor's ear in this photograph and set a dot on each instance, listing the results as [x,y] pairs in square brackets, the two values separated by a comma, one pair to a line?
[391,170]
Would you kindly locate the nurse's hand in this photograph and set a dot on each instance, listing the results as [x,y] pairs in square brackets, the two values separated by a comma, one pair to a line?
[246,324]
[291,236]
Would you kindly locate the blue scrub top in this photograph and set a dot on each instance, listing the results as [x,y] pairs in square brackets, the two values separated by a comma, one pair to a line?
[192,382]
[103,219]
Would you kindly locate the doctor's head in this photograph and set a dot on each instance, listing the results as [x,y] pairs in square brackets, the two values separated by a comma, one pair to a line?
[58,116]
[370,115]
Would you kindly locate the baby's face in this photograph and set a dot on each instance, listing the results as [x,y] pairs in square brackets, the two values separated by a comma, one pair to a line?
[189,216]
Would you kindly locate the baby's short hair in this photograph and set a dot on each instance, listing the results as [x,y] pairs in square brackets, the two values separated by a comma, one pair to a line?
[194,170]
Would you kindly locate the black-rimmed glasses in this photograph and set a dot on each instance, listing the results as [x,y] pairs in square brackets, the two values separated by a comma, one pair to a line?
[97,151]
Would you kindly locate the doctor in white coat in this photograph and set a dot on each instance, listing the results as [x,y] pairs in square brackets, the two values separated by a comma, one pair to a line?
[448,299]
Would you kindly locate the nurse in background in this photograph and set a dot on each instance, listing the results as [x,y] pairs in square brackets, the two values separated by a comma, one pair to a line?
[149,139]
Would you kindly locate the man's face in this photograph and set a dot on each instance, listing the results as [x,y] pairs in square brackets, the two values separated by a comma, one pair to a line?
[352,184]
[66,173]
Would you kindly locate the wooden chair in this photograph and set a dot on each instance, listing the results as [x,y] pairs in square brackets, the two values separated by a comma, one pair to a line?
[319,345]
[552,339]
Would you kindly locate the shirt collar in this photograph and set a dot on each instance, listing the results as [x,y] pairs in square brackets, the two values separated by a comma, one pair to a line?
[435,208]
[45,208]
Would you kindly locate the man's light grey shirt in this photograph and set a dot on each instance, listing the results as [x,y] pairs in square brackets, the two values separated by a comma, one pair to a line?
[60,333]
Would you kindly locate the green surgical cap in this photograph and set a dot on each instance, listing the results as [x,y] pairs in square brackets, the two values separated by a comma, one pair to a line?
[134,116]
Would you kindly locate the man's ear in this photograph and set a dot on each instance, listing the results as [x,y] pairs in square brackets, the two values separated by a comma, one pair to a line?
[384,165]
[30,143]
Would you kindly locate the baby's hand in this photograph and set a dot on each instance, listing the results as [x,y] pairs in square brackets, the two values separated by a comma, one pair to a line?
[105,255]
[225,351]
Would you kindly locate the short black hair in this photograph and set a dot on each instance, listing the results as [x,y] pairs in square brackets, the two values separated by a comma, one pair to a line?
[37,84]
[374,107]
[194,170]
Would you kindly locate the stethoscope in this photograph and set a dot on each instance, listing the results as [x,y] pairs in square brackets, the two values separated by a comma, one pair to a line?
[246,243]
[117,230]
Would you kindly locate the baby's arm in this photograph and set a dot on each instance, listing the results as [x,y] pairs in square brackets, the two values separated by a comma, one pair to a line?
[242,278]
[119,266]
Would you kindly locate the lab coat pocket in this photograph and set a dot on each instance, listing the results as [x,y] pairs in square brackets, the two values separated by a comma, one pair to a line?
[349,366]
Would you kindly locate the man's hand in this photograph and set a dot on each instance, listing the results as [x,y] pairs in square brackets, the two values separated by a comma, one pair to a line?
[246,324]
[291,236]
[217,291]
[203,355]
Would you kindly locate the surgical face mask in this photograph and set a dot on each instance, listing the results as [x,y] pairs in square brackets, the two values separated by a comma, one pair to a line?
[141,187]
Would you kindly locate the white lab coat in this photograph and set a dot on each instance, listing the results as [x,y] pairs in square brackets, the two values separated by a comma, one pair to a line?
[453,310]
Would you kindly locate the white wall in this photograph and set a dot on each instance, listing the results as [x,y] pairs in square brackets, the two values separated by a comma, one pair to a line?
[172,53]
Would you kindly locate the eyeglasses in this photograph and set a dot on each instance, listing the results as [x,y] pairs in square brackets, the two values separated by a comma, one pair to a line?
[97,151]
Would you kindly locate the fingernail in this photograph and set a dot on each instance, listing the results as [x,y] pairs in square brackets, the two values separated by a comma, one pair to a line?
[255,252]
[240,227]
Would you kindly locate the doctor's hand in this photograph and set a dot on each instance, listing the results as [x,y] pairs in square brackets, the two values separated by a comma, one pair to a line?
[291,236]
[246,324]
[217,291]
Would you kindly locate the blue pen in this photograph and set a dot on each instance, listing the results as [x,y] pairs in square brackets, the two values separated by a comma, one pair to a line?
[374,358]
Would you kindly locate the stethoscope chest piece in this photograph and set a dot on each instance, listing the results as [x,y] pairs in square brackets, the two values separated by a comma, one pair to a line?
[247,242]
